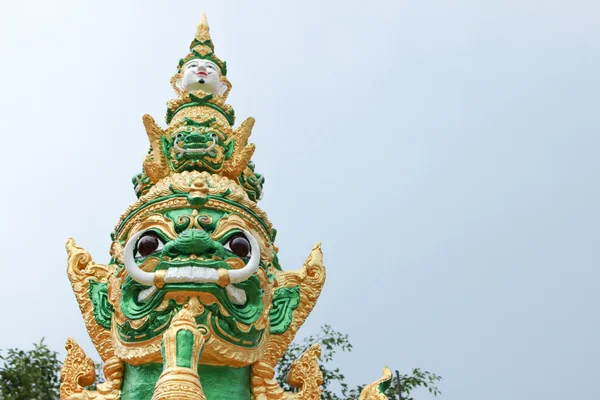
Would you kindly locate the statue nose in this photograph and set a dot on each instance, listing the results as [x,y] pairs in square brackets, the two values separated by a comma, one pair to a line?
[191,241]
[196,137]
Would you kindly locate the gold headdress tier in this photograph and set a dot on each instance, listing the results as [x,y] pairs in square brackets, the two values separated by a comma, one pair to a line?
[200,135]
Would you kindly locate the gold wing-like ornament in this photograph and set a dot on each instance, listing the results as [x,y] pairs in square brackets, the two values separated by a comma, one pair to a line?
[310,278]
[374,391]
[155,163]
[81,270]
[242,151]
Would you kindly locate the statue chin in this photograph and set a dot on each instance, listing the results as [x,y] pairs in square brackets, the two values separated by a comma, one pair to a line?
[207,86]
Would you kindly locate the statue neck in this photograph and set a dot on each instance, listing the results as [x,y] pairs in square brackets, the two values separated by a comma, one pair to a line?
[218,383]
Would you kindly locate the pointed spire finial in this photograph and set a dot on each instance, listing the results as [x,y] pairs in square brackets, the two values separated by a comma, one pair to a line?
[203,21]
[202,36]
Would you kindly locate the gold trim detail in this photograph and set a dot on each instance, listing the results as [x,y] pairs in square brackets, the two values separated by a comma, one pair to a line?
[159,278]
[189,182]
[224,278]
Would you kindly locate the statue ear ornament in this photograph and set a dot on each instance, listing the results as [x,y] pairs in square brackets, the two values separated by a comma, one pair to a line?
[193,303]
[176,84]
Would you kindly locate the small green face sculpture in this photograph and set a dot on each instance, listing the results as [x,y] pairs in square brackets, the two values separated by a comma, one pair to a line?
[197,146]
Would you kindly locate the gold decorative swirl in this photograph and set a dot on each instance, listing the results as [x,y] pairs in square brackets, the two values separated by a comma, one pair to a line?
[77,372]
[306,376]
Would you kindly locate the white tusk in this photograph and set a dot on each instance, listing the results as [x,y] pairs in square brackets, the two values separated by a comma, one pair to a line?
[236,295]
[143,277]
[240,275]
[146,294]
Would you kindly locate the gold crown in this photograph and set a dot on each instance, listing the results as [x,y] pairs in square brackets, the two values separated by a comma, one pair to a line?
[200,134]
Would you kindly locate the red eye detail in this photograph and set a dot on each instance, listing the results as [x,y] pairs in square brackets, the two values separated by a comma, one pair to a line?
[148,244]
[239,245]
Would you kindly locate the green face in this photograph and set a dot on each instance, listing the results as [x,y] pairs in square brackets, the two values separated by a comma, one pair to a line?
[196,146]
[233,315]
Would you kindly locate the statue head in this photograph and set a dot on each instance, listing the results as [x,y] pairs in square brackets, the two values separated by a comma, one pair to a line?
[204,247]
[201,74]
[201,69]
[195,240]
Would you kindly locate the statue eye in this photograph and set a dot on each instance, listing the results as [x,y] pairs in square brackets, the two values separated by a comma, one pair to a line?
[238,245]
[210,66]
[149,243]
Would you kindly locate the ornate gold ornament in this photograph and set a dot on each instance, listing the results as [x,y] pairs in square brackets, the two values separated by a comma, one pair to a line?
[306,375]
[79,371]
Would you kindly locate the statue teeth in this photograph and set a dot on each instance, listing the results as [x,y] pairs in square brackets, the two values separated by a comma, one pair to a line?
[181,151]
[195,274]
[191,274]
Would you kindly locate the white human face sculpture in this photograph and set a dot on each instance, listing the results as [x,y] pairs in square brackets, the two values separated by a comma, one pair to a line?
[201,74]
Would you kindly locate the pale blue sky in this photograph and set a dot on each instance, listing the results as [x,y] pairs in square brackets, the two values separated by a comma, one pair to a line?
[444,152]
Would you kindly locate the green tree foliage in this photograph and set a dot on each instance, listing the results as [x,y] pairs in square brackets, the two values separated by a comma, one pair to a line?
[409,382]
[334,384]
[32,374]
